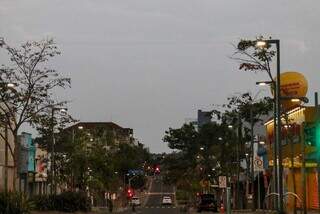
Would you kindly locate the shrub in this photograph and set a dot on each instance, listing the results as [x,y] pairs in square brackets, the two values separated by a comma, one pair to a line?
[44,202]
[66,202]
[14,203]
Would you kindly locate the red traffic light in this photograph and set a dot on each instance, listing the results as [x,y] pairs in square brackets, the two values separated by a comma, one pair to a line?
[157,169]
[129,193]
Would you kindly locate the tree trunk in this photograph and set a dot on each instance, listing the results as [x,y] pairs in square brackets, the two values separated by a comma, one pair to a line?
[15,159]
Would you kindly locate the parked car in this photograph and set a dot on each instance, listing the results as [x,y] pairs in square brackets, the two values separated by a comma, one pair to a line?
[135,201]
[166,200]
[207,202]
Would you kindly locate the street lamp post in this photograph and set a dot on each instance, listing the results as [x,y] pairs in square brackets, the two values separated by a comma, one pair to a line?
[263,43]
[52,166]
[252,147]
[275,149]
[237,195]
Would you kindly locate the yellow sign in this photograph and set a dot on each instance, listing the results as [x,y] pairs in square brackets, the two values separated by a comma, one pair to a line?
[292,84]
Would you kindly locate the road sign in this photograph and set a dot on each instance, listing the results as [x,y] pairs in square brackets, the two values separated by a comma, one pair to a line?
[204,183]
[222,182]
[258,164]
[257,160]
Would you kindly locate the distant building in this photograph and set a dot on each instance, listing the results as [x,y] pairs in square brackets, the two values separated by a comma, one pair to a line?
[41,171]
[26,165]
[204,117]
[120,134]
[32,167]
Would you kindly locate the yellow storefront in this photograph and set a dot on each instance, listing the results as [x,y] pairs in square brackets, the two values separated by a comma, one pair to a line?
[292,135]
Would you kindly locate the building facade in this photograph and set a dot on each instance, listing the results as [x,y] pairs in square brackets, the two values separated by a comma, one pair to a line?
[120,135]
[294,148]
[40,185]
[6,169]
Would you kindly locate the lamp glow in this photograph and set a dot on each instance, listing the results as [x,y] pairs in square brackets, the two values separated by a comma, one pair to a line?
[10,85]
[295,100]
[261,44]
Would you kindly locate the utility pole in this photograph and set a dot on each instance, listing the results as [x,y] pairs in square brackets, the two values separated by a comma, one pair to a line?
[303,169]
[278,135]
[316,103]
[6,160]
[52,151]
[252,157]
[238,161]
[275,157]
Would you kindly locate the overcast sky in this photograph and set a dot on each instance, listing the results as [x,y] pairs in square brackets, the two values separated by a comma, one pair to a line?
[150,64]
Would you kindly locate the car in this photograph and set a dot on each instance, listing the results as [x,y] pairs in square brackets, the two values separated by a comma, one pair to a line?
[166,200]
[207,202]
[135,201]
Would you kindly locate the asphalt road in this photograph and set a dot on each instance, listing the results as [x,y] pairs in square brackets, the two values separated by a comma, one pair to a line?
[153,202]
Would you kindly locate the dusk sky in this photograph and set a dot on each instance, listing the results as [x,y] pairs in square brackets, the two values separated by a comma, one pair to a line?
[151,64]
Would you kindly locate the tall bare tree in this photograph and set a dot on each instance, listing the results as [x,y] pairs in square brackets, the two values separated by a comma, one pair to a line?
[27,87]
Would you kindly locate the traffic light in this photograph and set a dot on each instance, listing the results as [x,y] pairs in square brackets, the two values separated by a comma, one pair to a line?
[310,136]
[157,170]
[129,193]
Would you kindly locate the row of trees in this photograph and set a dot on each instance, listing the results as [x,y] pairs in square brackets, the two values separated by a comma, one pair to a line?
[92,160]
[27,96]
[244,111]
[203,153]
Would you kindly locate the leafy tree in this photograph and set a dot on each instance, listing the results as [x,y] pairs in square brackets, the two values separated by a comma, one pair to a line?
[34,84]
[208,151]
[253,58]
[130,157]
[183,139]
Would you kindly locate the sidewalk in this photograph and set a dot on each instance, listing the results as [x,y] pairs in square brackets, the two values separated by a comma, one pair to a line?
[193,211]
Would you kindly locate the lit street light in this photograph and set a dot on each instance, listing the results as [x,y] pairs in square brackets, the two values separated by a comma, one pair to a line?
[264,83]
[261,43]
[277,119]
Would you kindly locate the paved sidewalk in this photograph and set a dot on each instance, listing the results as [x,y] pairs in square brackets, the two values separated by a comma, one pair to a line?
[193,211]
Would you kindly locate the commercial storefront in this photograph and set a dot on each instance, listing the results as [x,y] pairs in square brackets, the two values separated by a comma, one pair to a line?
[292,134]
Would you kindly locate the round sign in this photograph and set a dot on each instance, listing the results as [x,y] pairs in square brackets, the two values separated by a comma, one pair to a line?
[292,84]
[258,162]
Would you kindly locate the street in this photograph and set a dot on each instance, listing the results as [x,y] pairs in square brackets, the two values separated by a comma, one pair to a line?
[163,106]
[153,201]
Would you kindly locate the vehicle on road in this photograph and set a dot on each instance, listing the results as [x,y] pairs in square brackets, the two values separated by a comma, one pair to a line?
[207,202]
[135,201]
[166,200]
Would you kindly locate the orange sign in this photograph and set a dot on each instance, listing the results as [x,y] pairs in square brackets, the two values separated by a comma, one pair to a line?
[293,84]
